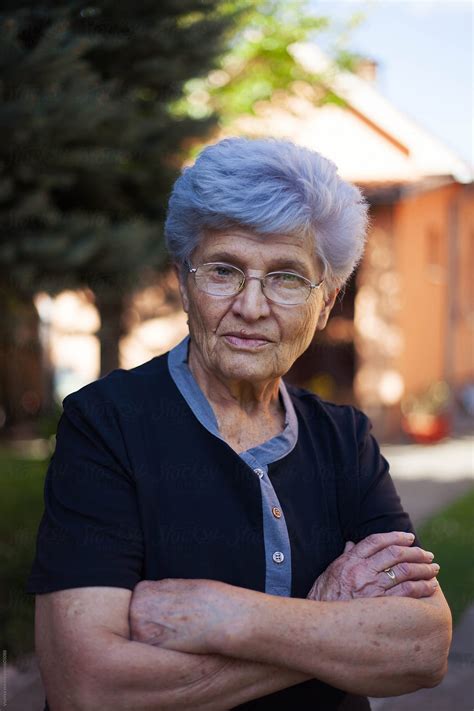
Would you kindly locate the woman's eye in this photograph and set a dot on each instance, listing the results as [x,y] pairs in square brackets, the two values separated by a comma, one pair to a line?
[221,271]
[285,277]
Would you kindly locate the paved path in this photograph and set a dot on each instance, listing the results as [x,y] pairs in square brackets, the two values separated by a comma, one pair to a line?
[428,478]
[24,689]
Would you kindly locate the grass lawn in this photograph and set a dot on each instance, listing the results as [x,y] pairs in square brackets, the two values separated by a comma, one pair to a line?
[21,506]
[449,534]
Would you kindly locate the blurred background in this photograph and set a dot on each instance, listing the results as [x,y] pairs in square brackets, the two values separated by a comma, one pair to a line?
[102,105]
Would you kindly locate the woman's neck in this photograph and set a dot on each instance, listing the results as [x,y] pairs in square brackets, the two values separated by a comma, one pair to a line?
[248,398]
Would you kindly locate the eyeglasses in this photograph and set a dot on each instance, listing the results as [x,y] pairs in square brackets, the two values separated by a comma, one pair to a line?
[219,279]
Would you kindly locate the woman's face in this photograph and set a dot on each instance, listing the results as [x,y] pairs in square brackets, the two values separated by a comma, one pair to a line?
[246,337]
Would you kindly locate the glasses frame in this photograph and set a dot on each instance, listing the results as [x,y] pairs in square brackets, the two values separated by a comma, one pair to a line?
[192,270]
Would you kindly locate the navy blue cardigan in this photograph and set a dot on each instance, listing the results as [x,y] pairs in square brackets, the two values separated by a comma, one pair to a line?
[138,489]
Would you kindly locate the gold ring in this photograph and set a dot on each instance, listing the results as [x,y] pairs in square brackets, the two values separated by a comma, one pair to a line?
[390,573]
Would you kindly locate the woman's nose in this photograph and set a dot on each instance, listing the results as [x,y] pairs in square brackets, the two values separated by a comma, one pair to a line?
[251,303]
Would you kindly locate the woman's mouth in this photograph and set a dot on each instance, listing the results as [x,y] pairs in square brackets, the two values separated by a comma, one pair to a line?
[245,342]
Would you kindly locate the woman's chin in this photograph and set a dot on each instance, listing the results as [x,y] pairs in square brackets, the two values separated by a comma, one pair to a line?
[246,368]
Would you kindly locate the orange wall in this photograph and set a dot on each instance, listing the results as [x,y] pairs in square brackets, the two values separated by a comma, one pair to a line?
[434,334]
[464,339]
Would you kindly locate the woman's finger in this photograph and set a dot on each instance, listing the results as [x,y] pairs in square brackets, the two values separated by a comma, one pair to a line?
[398,574]
[378,541]
[414,588]
[394,554]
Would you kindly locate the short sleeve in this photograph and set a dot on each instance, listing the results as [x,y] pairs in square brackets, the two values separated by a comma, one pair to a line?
[379,509]
[90,532]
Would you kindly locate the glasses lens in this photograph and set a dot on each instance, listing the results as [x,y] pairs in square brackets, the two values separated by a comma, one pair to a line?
[286,288]
[218,279]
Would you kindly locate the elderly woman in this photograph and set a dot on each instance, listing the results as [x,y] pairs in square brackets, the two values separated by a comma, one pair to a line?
[212,537]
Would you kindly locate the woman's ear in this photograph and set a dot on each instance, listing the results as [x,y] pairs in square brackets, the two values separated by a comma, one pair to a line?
[183,290]
[328,303]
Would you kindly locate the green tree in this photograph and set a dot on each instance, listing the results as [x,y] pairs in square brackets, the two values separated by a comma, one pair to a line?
[100,106]
[90,148]
[260,61]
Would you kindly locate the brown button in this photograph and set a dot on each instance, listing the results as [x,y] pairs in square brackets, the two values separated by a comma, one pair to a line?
[276,512]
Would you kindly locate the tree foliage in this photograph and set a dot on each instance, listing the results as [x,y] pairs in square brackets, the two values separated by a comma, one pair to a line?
[89,146]
[100,105]
[89,151]
[261,62]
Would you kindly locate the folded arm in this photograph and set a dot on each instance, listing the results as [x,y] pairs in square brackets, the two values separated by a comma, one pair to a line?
[378,646]
[209,645]
[89,663]
[351,632]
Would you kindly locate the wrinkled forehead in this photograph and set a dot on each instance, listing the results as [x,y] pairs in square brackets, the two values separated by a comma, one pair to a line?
[246,245]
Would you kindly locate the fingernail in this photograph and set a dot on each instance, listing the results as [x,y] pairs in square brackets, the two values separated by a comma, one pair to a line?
[430,555]
[434,583]
[410,536]
[436,566]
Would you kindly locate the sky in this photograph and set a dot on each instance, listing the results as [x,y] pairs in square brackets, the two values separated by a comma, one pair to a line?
[425,53]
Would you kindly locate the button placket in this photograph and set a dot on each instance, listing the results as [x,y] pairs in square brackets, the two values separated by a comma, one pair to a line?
[278,552]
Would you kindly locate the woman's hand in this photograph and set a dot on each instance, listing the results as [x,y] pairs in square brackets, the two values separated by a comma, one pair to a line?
[186,615]
[361,570]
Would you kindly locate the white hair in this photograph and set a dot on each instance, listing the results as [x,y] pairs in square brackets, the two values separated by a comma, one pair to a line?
[269,186]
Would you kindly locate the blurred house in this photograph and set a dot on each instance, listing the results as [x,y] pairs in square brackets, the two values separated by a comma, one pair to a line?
[407,317]
[154,323]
